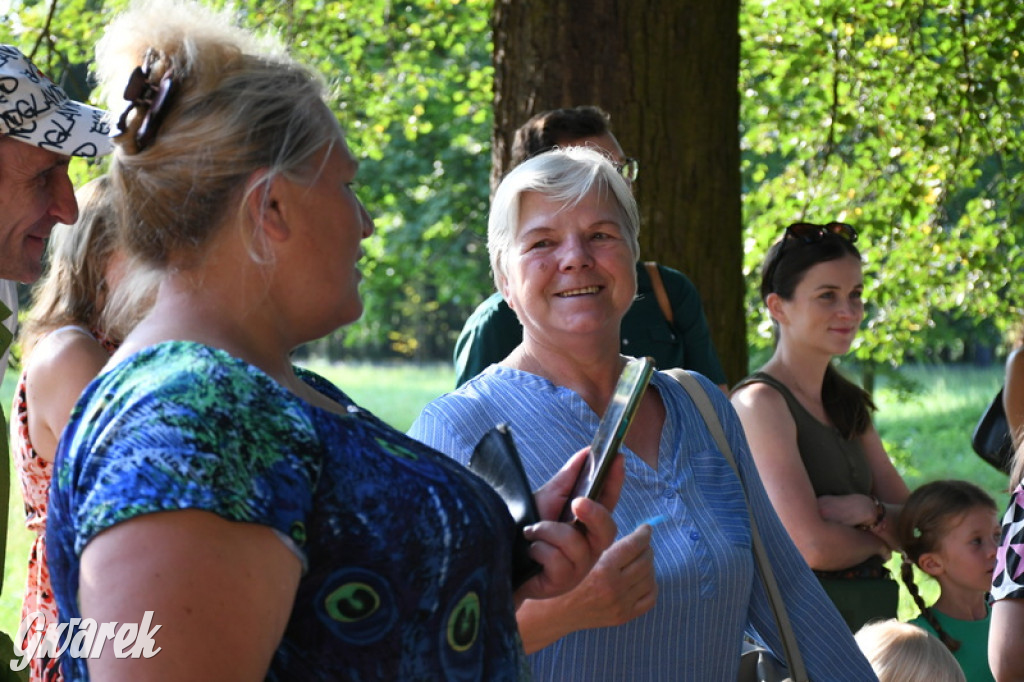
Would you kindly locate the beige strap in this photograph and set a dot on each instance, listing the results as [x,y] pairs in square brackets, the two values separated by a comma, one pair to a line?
[659,290]
[794,660]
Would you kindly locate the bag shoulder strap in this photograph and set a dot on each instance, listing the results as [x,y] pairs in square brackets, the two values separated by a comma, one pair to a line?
[792,652]
[659,290]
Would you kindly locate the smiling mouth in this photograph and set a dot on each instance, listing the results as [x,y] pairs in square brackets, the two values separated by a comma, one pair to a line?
[579,292]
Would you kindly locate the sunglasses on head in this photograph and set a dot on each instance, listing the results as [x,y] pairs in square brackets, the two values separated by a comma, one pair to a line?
[809,233]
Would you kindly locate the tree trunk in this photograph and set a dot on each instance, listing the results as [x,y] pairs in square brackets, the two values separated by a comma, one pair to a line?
[667,72]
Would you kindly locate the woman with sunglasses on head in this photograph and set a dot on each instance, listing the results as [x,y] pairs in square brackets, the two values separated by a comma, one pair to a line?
[810,429]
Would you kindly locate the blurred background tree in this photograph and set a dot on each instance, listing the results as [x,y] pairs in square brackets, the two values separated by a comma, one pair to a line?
[666,72]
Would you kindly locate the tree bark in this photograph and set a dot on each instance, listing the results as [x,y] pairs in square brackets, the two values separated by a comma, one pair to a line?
[667,73]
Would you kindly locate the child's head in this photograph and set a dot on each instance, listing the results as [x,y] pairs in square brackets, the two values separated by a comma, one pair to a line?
[901,652]
[950,530]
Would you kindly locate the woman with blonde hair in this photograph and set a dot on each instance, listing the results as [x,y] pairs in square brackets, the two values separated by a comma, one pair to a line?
[269,526]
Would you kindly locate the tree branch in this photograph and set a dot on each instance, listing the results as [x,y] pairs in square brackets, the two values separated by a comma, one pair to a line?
[44,34]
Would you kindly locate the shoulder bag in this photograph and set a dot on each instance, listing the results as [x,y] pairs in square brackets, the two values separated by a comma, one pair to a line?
[756,663]
[991,437]
[658,284]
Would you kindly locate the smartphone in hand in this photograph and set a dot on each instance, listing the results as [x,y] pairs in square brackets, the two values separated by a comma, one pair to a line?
[633,381]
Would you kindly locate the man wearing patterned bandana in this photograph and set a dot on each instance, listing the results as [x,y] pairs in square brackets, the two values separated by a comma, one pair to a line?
[41,128]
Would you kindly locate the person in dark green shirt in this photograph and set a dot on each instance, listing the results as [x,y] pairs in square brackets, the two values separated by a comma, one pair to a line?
[680,338]
[36,145]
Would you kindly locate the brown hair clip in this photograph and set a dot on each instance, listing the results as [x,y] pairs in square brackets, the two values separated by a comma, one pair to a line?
[151,101]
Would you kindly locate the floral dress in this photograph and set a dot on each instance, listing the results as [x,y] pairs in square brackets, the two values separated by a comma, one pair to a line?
[34,473]
[406,554]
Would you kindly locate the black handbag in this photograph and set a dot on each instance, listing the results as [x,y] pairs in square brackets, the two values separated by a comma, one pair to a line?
[991,438]
[496,460]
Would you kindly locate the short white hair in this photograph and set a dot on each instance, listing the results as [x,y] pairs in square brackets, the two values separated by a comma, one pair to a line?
[562,174]
[903,652]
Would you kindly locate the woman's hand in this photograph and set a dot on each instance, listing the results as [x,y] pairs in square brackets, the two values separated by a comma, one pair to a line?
[620,587]
[864,513]
[568,551]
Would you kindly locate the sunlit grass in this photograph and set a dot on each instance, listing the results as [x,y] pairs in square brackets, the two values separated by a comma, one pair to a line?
[394,392]
[928,432]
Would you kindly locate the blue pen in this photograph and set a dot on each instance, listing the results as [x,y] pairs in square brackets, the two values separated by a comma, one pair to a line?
[655,520]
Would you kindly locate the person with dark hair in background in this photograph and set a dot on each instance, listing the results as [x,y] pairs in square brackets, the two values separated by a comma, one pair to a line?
[41,128]
[673,330]
[810,428]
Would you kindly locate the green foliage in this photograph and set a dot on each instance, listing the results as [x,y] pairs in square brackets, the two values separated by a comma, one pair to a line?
[414,95]
[412,88]
[903,119]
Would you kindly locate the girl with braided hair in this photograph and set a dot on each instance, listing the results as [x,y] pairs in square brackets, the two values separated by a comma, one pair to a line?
[950,530]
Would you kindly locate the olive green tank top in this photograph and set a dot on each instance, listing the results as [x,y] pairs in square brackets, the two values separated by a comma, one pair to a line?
[835,465]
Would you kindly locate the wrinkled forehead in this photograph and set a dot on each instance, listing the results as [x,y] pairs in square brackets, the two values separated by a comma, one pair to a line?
[598,204]
[26,158]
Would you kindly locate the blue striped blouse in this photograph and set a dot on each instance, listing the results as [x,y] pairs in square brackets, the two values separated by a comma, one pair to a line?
[709,594]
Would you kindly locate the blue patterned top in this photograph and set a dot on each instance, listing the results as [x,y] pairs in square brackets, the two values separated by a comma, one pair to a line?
[406,554]
[708,589]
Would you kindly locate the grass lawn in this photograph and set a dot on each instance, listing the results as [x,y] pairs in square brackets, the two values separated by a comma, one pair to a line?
[927,432]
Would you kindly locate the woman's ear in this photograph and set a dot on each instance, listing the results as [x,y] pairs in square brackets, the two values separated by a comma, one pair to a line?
[265,205]
[774,303]
[503,289]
